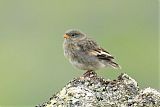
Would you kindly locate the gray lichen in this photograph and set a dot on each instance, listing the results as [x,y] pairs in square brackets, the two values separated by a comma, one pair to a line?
[90,90]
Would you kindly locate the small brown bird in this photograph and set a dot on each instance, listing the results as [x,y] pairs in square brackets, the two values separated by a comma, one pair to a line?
[84,53]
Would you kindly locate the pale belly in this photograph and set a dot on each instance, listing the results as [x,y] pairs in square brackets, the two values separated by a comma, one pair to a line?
[87,65]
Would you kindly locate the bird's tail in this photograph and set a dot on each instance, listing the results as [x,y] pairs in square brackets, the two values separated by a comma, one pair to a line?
[114,65]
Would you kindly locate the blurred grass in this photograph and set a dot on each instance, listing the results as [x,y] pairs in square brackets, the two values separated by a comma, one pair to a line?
[32,65]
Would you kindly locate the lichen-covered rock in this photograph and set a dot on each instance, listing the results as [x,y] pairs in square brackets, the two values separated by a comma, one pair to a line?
[148,98]
[90,90]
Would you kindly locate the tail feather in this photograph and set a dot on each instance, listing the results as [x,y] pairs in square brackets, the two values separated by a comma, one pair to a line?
[114,65]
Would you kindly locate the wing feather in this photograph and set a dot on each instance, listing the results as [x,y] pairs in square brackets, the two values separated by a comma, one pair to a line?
[92,48]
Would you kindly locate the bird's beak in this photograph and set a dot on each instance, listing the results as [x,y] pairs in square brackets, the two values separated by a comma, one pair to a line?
[66,36]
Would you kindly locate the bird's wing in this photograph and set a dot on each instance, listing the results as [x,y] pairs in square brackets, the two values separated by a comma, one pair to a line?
[102,54]
[87,45]
[92,48]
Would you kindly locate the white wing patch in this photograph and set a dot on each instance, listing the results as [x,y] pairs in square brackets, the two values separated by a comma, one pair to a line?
[100,52]
[107,54]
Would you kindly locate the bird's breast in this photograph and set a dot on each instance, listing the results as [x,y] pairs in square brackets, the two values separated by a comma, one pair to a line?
[70,50]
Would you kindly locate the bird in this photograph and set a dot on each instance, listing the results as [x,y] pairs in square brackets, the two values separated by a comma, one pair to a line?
[84,53]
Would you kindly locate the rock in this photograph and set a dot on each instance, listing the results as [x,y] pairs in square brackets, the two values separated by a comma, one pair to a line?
[90,90]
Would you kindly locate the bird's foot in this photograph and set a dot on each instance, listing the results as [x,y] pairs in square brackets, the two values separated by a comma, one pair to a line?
[90,73]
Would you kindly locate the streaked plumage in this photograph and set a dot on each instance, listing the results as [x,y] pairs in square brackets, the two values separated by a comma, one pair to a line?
[84,53]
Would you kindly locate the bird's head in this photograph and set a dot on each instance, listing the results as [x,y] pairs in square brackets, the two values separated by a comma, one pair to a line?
[74,35]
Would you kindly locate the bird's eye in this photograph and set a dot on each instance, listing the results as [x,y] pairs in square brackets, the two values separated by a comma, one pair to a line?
[73,35]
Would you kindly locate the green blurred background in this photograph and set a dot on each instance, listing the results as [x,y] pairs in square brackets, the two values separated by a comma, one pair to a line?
[32,65]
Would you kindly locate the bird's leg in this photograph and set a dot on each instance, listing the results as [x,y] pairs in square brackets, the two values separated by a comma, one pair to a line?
[89,73]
